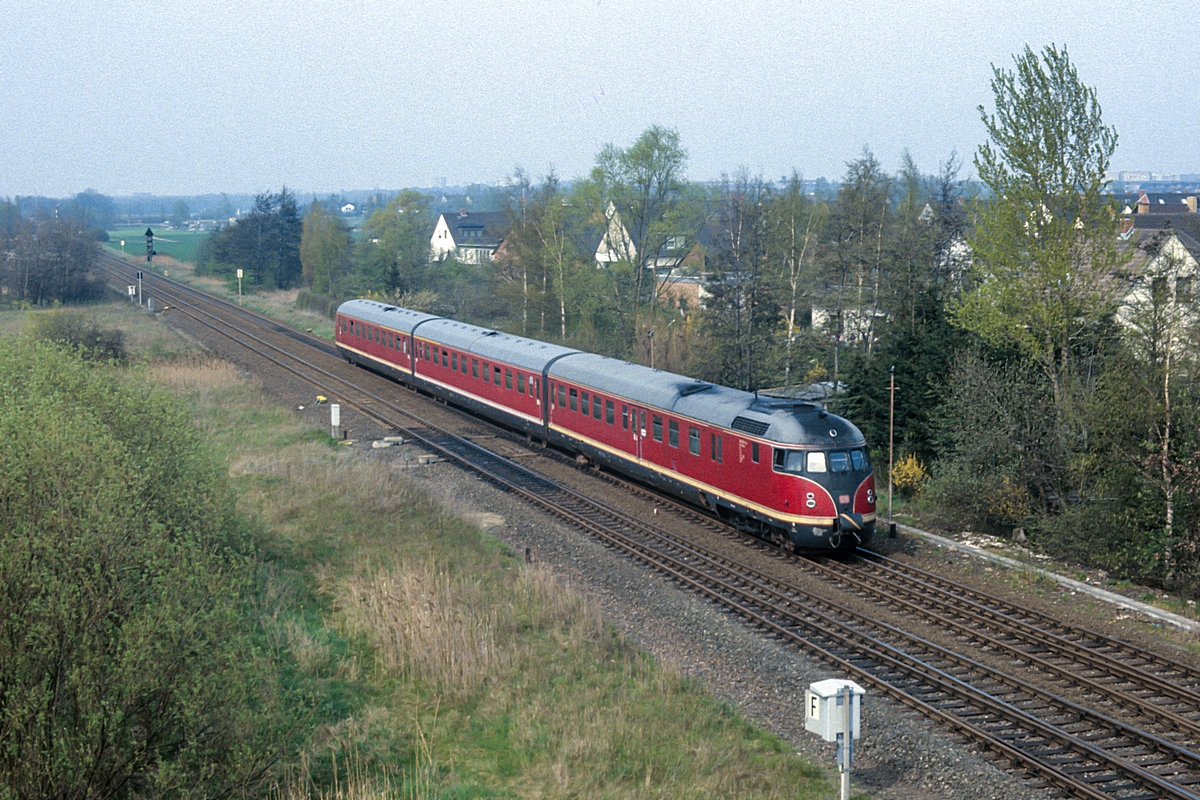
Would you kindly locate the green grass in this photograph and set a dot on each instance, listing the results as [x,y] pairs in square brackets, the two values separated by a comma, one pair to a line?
[180,245]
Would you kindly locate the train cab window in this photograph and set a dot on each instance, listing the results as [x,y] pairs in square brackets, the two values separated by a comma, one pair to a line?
[596,407]
[754,452]
[839,462]
[574,398]
[625,417]
[474,367]
[562,396]
[508,379]
[496,370]
[610,412]
[789,461]
[657,424]
[859,459]
[583,404]
[815,463]
[694,440]
[673,433]
[454,361]
[715,447]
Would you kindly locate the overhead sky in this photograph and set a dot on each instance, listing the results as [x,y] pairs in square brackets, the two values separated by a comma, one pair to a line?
[193,96]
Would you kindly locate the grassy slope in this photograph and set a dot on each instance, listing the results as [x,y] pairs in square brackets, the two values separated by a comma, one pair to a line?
[435,662]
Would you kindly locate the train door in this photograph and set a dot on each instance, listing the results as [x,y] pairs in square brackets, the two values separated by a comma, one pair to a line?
[639,429]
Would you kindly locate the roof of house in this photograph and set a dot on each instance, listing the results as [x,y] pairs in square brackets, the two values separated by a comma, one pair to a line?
[477,228]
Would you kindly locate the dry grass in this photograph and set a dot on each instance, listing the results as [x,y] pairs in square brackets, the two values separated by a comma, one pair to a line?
[196,375]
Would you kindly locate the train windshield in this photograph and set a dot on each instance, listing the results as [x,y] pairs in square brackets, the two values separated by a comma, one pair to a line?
[798,462]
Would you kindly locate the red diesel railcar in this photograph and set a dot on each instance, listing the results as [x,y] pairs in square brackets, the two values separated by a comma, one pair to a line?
[785,470]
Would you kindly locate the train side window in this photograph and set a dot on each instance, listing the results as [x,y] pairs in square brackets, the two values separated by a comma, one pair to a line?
[562,396]
[754,452]
[487,373]
[673,433]
[656,420]
[445,357]
[839,461]
[474,367]
[694,440]
[533,384]
[583,404]
[508,379]
[496,375]
[404,343]
[454,361]
[574,400]
[815,463]
[715,447]
[859,460]
[609,412]
[465,371]
[624,417]
[595,407]
[520,383]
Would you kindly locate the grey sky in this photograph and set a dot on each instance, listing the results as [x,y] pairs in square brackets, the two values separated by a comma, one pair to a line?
[189,97]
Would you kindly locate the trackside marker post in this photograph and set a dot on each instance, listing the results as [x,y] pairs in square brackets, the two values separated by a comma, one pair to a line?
[833,710]
[335,420]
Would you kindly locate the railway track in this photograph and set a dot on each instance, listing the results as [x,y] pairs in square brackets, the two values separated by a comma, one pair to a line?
[1079,748]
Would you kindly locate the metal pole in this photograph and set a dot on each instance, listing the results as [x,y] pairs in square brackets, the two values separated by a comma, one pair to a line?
[848,740]
[891,432]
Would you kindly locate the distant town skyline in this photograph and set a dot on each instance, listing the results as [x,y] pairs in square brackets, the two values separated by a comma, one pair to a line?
[179,98]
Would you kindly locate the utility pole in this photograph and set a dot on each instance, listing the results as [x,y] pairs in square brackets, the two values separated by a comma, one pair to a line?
[651,335]
[891,436]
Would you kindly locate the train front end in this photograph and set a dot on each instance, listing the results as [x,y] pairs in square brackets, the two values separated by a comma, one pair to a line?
[823,467]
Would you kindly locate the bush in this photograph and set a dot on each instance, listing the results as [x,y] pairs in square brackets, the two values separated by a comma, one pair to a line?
[909,476]
[315,301]
[131,665]
[78,331]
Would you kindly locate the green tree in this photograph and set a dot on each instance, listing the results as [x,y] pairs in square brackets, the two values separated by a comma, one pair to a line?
[180,213]
[325,250]
[393,252]
[1045,241]
[648,213]
[265,243]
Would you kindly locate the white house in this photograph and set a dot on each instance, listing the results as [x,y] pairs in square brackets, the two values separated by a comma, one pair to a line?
[472,237]
[1171,262]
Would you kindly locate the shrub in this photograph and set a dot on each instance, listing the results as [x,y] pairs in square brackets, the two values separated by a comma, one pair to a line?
[909,475]
[131,664]
[77,330]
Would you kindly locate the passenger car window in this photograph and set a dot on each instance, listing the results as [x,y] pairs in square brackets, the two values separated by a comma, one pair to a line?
[694,440]
[815,463]
[562,396]
[508,379]
[521,382]
[496,375]
[673,433]
[657,423]
[625,417]
[474,367]
[839,462]
[574,397]
[445,357]
[583,404]
[595,407]
[610,411]
[487,373]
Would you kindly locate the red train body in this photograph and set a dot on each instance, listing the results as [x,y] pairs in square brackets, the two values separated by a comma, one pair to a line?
[785,470]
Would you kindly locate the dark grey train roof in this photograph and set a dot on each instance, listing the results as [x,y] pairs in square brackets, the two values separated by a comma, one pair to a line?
[525,353]
[771,418]
[384,315]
